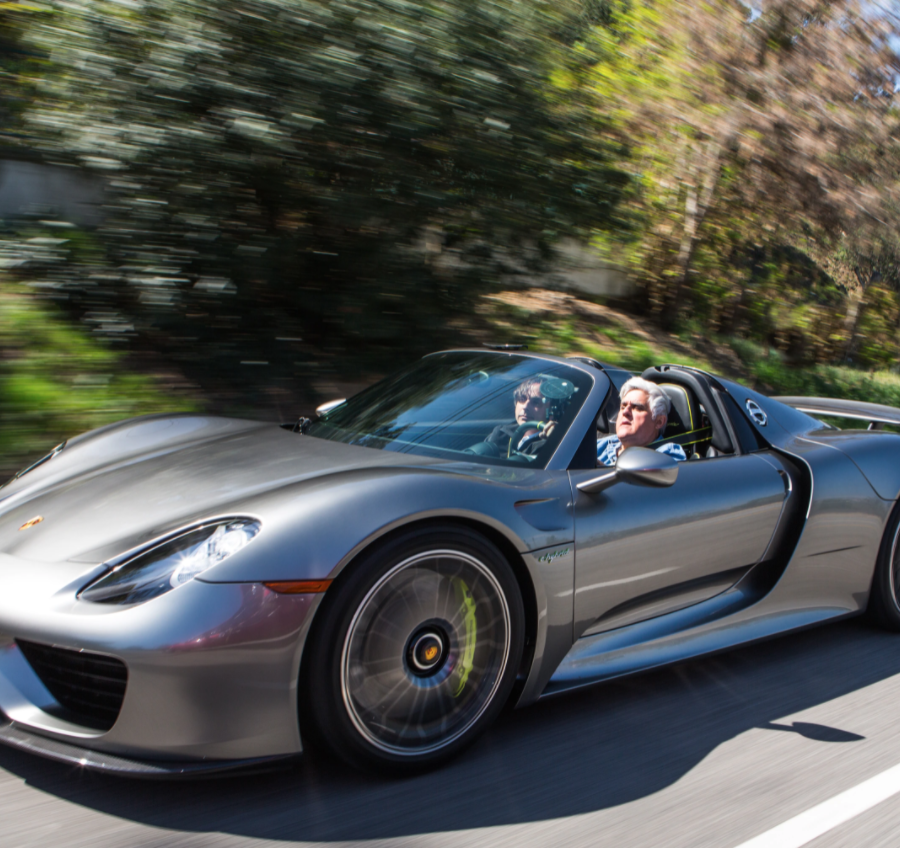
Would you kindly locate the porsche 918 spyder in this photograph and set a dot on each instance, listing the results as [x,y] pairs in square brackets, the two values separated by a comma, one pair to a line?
[189,594]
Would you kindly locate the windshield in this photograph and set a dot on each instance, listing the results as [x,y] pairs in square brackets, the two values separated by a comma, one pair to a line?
[481,407]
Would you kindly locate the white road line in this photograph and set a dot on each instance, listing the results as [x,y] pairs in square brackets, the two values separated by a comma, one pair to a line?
[802,829]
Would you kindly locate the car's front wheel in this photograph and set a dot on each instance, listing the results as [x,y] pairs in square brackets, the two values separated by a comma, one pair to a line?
[416,650]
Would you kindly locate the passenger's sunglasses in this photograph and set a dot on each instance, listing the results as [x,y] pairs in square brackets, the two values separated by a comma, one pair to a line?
[634,407]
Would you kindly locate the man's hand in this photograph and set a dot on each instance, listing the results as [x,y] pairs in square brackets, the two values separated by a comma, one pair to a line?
[543,431]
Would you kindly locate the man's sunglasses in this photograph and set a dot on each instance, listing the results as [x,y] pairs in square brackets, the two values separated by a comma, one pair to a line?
[634,407]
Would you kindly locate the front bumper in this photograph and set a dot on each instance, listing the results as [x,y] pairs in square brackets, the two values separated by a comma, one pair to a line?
[84,758]
[212,671]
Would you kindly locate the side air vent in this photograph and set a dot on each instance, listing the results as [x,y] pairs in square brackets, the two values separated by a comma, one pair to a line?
[90,687]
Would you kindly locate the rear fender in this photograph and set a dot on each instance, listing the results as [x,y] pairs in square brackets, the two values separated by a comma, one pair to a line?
[875,452]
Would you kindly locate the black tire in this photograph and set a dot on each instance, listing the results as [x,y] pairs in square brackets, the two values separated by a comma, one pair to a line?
[884,599]
[414,651]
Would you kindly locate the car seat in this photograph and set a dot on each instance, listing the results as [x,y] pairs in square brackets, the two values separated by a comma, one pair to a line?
[710,429]
[688,424]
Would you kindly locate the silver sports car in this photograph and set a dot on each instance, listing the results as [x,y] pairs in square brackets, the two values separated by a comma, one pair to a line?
[186,594]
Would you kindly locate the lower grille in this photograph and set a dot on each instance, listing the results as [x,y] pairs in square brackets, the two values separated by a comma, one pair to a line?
[90,687]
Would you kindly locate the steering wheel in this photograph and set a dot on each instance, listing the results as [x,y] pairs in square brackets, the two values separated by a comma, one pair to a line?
[522,429]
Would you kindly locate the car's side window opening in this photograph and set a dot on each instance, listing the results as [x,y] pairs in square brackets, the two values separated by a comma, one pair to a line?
[700,434]
[703,425]
[688,423]
[711,436]
[604,424]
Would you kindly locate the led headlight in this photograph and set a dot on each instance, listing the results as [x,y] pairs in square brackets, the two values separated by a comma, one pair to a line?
[172,563]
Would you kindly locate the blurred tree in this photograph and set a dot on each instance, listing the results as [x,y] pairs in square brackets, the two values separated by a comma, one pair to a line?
[57,381]
[18,66]
[872,256]
[349,173]
[298,182]
[751,130]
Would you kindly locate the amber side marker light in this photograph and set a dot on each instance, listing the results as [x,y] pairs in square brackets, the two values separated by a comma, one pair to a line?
[298,587]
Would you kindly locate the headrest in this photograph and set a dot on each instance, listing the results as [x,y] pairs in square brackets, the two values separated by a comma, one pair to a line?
[684,413]
[680,384]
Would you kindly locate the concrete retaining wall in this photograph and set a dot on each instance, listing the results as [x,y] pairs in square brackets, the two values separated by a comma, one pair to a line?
[29,188]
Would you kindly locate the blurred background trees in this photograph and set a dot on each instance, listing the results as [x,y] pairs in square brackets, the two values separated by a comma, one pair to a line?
[291,179]
[764,141]
[298,192]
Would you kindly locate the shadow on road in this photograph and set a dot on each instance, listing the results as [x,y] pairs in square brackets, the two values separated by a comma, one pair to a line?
[576,754]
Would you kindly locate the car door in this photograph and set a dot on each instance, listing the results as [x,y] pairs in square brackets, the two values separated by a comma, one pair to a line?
[642,552]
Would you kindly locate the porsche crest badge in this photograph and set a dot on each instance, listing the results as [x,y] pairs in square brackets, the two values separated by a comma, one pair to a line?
[32,521]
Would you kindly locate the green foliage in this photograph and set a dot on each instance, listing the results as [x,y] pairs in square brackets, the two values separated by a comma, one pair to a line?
[875,341]
[56,381]
[770,371]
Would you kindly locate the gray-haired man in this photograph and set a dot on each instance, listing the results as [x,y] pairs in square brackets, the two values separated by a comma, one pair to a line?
[643,413]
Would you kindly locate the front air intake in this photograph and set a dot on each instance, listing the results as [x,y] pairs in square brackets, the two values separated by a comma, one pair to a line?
[89,687]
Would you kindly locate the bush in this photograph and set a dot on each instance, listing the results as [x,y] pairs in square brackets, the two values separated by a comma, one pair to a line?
[56,381]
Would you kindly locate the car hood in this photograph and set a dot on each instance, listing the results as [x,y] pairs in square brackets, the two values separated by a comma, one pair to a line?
[113,490]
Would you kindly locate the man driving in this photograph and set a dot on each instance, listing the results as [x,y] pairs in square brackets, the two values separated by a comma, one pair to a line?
[643,414]
[530,406]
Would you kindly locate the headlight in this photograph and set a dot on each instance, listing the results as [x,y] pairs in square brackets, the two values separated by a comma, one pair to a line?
[170,564]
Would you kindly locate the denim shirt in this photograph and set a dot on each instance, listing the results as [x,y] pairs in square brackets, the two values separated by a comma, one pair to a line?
[608,450]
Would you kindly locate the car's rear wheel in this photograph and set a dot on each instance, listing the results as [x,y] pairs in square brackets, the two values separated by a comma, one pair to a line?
[884,600]
[416,650]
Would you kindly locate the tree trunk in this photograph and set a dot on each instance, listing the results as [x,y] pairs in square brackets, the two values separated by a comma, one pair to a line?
[694,212]
[851,321]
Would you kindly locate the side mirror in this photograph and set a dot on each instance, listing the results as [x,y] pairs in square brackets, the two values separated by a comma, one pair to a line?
[642,466]
[327,407]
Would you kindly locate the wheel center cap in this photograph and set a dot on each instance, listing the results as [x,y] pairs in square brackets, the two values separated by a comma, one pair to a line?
[427,651]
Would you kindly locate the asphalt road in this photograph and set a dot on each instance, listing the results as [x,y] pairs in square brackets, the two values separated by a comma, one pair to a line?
[706,753]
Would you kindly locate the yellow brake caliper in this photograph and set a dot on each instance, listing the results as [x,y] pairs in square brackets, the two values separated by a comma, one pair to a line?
[464,598]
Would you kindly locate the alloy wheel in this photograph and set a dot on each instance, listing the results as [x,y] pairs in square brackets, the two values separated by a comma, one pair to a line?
[425,652]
